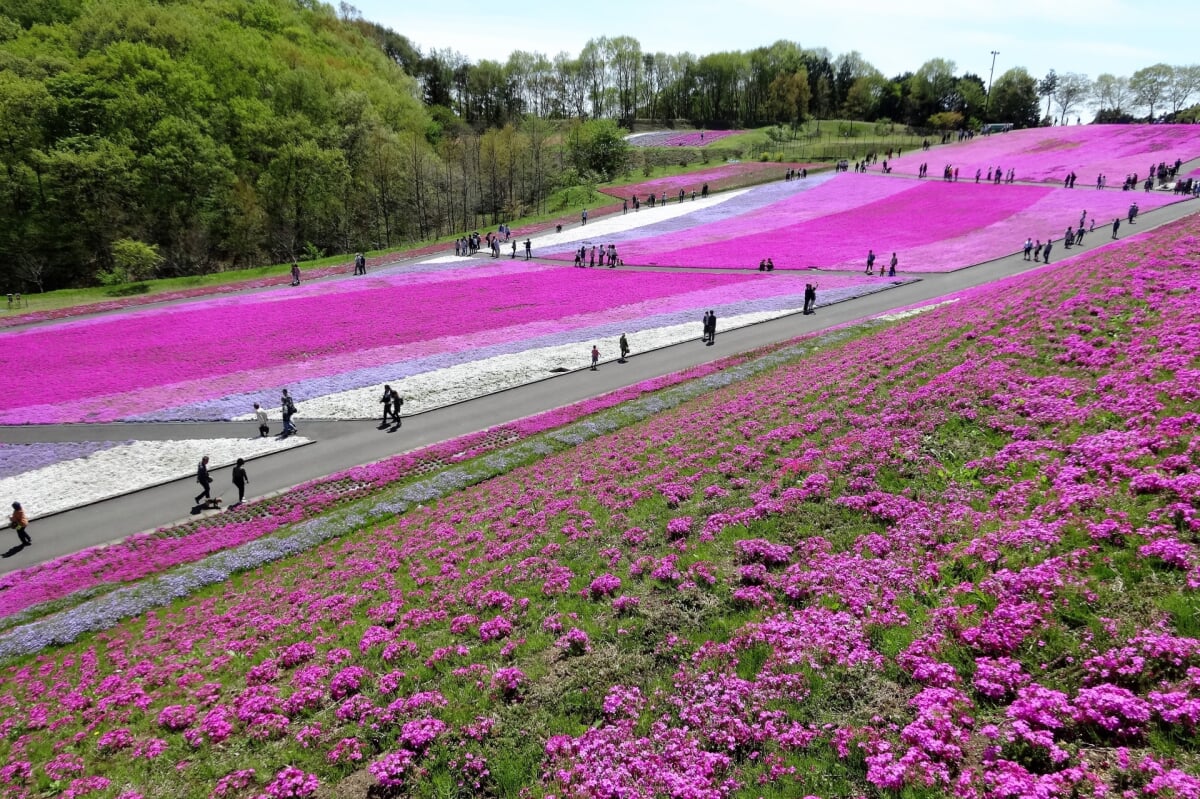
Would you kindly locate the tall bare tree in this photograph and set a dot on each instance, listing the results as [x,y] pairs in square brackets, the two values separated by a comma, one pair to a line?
[1072,89]
[1150,85]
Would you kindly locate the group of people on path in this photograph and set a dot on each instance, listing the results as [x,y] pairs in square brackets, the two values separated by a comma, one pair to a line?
[889,271]
[810,298]
[708,332]
[392,402]
[651,199]
[240,480]
[1073,237]
[606,255]
[622,344]
[360,268]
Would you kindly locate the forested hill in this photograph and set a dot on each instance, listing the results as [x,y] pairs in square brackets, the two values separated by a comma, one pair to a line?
[223,132]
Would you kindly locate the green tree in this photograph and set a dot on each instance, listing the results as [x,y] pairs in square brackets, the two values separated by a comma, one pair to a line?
[1014,99]
[598,147]
[946,120]
[789,97]
[132,261]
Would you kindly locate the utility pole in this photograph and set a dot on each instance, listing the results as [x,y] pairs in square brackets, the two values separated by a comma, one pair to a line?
[987,101]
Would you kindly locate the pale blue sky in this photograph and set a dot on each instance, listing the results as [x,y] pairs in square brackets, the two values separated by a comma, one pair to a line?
[1087,36]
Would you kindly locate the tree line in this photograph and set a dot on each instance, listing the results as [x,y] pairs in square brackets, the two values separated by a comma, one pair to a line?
[148,138]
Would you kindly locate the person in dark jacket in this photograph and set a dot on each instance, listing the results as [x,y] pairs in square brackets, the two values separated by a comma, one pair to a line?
[240,479]
[204,479]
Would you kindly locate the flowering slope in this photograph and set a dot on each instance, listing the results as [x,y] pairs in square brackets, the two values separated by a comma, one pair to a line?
[831,221]
[953,557]
[718,178]
[1050,154]
[242,349]
[83,573]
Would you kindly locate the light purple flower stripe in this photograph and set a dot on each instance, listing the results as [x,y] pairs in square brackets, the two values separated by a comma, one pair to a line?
[755,199]
[227,407]
[20,458]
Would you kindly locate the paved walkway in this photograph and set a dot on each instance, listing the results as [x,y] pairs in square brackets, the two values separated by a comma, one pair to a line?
[341,444]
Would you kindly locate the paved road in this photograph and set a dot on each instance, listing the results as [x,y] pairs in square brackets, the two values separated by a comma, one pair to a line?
[341,445]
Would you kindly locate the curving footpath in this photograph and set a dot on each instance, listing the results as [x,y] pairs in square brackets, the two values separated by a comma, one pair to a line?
[343,444]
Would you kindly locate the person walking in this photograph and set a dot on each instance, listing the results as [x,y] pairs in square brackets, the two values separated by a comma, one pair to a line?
[1046,251]
[20,522]
[260,415]
[240,479]
[289,410]
[892,266]
[624,207]
[595,357]
[295,274]
[386,401]
[360,264]
[205,481]
[704,327]
[528,244]
[624,345]
[397,403]
[583,217]
[712,328]
[1028,247]
[870,262]
[1116,226]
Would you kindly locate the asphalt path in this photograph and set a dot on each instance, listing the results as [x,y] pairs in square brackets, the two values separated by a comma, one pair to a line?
[343,444]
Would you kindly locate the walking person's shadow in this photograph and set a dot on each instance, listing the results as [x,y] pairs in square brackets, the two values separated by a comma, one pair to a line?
[13,550]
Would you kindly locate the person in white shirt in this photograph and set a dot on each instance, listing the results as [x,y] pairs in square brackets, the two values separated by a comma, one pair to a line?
[261,415]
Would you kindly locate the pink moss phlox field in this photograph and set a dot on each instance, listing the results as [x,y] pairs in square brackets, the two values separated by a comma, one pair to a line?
[718,178]
[1050,154]
[282,279]
[934,226]
[148,554]
[258,342]
[952,557]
